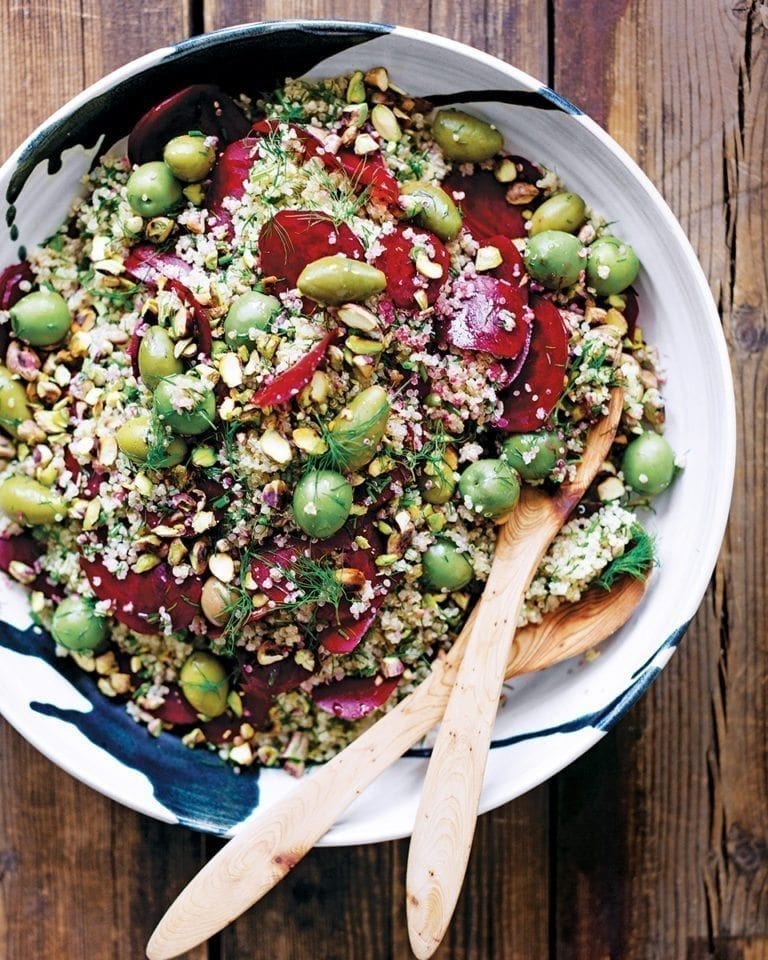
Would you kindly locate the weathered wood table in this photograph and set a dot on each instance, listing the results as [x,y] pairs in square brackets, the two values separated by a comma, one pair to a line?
[654,846]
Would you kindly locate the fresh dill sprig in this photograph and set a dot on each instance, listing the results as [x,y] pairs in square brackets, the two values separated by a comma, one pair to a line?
[344,444]
[635,562]
[343,201]
[160,439]
[315,583]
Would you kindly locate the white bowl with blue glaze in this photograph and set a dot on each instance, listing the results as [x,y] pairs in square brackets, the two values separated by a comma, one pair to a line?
[548,719]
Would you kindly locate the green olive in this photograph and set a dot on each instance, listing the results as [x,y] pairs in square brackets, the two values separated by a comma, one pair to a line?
[204,683]
[133,439]
[189,158]
[42,318]
[649,464]
[77,626]
[432,208]
[249,313]
[563,211]
[321,503]
[14,408]
[465,138]
[153,190]
[439,482]
[445,567]
[554,258]
[534,455]
[29,502]
[338,280]
[156,357]
[490,487]
[612,266]
[186,404]
[359,428]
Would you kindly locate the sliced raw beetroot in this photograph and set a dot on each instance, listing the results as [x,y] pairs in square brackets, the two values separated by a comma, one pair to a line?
[484,207]
[631,311]
[276,589]
[282,388]
[294,238]
[138,597]
[345,631]
[371,172]
[176,708]
[512,268]
[486,314]
[397,261]
[260,685]
[11,280]
[202,107]
[541,381]
[229,176]
[26,550]
[354,697]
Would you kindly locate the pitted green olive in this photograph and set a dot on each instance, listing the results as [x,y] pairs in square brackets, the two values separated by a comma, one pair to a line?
[554,258]
[77,626]
[321,503]
[156,357]
[189,158]
[249,313]
[563,211]
[649,464]
[14,408]
[338,280]
[29,502]
[41,319]
[133,439]
[465,138]
[359,428]
[612,266]
[534,455]
[204,683]
[438,483]
[490,487]
[186,404]
[152,189]
[432,208]
[445,567]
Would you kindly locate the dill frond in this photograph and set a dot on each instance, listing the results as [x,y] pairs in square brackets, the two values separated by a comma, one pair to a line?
[635,562]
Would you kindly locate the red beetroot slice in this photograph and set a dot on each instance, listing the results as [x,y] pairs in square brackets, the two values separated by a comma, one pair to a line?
[370,172]
[541,381]
[286,385]
[11,292]
[229,176]
[26,550]
[294,238]
[260,685]
[631,311]
[202,107]
[403,279]
[512,268]
[143,594]
[345,631]
[354,697]
[477,319]
[484,207]
[275,589]
[176,708]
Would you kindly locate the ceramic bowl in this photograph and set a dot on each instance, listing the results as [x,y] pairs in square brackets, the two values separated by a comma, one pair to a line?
[548,719]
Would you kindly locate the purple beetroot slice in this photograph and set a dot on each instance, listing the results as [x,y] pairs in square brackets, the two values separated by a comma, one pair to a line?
[353,698]
[477,314]
[202,107]
[484,207]
[284,387]
[395,260]
[541,381]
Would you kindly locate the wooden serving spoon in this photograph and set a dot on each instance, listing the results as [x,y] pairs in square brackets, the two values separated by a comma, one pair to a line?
[271,843]
[445,821]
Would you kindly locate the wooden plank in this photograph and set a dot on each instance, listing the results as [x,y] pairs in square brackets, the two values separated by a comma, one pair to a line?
[225,13]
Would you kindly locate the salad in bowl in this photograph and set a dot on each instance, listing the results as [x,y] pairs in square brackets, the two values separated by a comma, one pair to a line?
[268,391]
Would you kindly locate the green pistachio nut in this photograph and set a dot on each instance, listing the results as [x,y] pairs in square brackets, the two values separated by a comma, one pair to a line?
[134,440]
[465,138]
[14,408]
[186,404]
[563,211]
[554,258]
[41,318]
[204,683]
[438,482]
[189,158]
[77,626]
[445,567]
[322,502]
[152,189]
[337,280]
[432,208]
[359,428]
[28,502]
[156,357]
[248,314]
[490,488]
[649,464]
[533,455]
[612,266]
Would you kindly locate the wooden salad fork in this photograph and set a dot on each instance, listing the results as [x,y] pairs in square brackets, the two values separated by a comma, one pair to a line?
[445,821]
[271,843]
